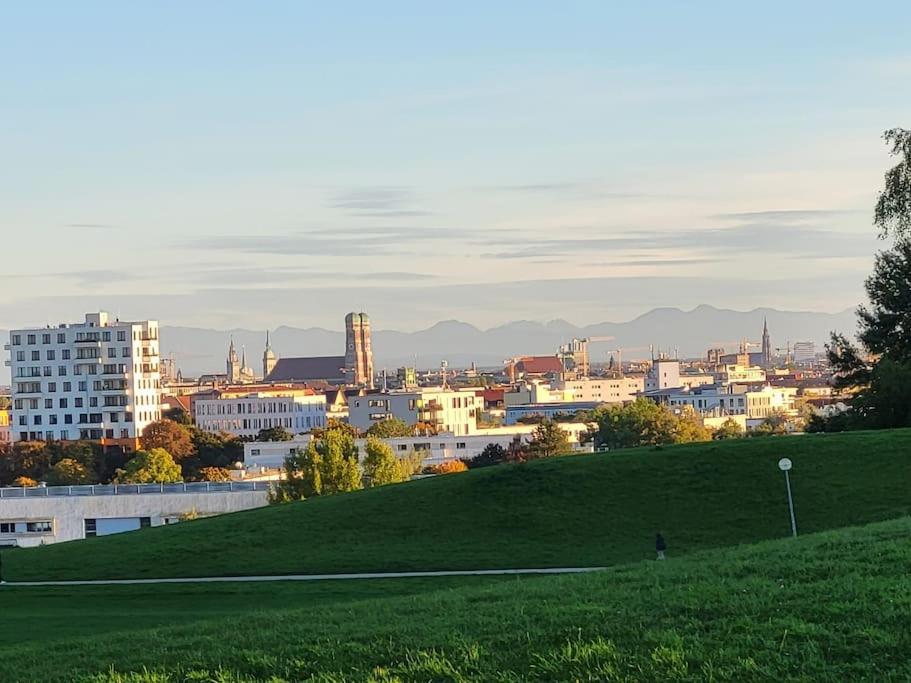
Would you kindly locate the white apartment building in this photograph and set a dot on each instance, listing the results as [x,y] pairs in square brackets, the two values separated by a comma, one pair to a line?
[455,412]
[244,411]
[435,449]
[97,380]
[601,389]
[739,373]
[731,399]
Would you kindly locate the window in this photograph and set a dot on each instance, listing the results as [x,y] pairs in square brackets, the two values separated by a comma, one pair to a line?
[51,354]
[61,371]
[17,339]
[121,335]
[7,527]
[91,528]
[61,338]
[145,522]
[48,404]
[68,420]
[45,339]
[67,386]
[36,355]
[20,356]
[51,387]
[30,339]
[112,352]
[39,527]
[460,444]
[78,403]
[65,354]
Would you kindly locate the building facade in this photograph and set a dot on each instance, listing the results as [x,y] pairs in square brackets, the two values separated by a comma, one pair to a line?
[97,380]
[38,516]
[444,410]
[244,411]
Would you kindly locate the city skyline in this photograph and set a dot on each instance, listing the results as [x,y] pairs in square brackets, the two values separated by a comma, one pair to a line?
[535,165]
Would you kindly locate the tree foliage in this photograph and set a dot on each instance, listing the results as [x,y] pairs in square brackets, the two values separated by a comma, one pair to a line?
[689,428]
[493,454]
[381,467]
[213,474]
[893,206]
[548,440]
[274,434]
[391,428]
[155,466]
[450,467]
[169,436]
[69,472]
[639,423]
[729,429]
[328,465]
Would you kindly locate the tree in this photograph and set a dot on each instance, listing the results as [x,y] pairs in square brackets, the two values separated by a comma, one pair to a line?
[274,434]
[24,482]
[391,428]
[774,424]
[893,206]
[69,472]
[549,440]
[339,467]
[640,423]
[213,474]
[169,436]
[30,459]
[381,467]
[335,425]
[729,429]
[328,465]
[493,454]
[155,466]
[215,449]
[450,467]
[179,415]
[690,429]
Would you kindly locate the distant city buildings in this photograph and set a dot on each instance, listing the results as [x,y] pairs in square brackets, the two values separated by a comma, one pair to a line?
[246,410]
[95,380]
[441,410]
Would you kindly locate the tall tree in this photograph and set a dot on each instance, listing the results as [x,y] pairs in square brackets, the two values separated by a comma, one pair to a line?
[640,423]
[69,472]
[155,466]
[170,436]
[893,207]
[339,469]
[493,454]
[274,434]
[381,467]
[548,440]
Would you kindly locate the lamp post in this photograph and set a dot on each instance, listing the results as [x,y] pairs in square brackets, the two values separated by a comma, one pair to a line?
[785,465]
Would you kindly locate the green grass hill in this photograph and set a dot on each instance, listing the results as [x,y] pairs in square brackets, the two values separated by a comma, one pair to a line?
[574,511]
[834,606]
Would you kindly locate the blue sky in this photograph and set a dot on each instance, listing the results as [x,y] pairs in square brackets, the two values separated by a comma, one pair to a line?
[250,165]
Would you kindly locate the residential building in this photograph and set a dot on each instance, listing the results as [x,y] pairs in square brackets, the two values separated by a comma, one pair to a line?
[245,410]
[41,515]
[664,374]
[739,373]
[6,435]
[444,410]
[514,413]
[730,399]
[97,380]
[804,352]
[435,449]
[601,389]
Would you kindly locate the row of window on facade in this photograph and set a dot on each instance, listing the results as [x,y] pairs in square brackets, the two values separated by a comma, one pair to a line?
[101,336]
[224,408]
[85,369]
[82,435]
[78,402]
[44,526]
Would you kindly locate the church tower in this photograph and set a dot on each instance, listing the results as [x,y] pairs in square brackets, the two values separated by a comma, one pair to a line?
[232,365]
[358,351]
[269,358]
[766,345]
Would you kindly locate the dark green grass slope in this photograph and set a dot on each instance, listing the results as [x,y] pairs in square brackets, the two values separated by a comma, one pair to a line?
[573,511]
[830,607]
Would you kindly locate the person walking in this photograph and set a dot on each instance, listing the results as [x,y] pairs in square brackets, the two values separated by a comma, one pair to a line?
[660,545]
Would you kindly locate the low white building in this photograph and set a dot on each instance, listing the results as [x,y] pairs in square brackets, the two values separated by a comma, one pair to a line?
[585,390]
[436,449]
[244,411]
[719,400]
[445,410]
[41,515]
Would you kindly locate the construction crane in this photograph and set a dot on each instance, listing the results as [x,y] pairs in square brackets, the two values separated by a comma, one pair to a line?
[574,355]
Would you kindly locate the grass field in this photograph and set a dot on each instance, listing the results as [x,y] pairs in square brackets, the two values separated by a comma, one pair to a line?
[573,511]
[830,607]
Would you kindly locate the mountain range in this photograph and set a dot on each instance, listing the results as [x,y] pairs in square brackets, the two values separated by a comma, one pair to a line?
[669,329]
[198,350]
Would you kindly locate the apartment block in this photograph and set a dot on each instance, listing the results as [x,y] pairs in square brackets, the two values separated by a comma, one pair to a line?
[453,412]
[243,411]
[96,380]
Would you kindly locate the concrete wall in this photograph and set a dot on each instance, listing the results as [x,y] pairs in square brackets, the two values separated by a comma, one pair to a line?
[68,513]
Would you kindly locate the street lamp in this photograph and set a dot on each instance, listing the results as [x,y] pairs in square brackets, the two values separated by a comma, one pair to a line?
[785,465]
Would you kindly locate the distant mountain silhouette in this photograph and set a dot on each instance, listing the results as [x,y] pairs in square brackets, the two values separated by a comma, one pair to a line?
[691,332]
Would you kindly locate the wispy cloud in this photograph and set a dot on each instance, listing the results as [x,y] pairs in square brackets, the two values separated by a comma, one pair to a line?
[92,226]
[378,202]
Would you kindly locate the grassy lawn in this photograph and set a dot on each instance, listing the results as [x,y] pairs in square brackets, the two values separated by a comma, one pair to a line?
[580,510]
[830,607]
[574,511]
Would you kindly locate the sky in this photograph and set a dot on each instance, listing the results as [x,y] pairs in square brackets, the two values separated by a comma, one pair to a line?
[227,164]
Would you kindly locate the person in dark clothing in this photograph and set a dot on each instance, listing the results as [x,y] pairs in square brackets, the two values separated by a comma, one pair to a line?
[660,545]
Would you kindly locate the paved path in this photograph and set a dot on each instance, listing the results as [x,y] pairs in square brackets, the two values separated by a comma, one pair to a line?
[309,577]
